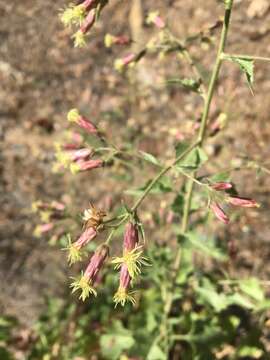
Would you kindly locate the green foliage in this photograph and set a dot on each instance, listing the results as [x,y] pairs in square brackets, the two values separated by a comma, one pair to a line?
[186,83]
[193,161]
[246,66]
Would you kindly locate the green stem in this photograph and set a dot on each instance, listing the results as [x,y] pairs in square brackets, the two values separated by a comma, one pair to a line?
[225,56]
[162,173]
[200,141]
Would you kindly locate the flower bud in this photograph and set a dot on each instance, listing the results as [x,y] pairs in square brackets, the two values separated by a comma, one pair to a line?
[85,165]
[96,262]
[219,186]
[87,125]
[220,214]
[110,40]
[80,154]
[131,237]
[154,18]
[242,202]
[88,235]
[123,295]
[87,280]
[43,229]
[120,64]
[88,22]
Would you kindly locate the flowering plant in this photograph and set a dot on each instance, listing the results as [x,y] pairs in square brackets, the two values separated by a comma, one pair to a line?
[169,269]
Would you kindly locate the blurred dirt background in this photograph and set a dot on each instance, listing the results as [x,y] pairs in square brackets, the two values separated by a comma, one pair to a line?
[42,76]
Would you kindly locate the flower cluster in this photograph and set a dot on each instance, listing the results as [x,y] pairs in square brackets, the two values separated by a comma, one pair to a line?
[129,264]
[215,200]
[83,16]
[75,155]
[48,214]
[93,220]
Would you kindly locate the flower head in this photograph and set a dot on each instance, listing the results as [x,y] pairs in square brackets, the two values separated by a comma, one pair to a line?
[220,214]
[87,280]
[43,229]
[131,237]
[219,186]
[87,125]
[123,295]
[85,165]
[74,248]
[242,202]
[110,40]
[133,260]
[132,253]
[73,15]
[120,64]
[154,18]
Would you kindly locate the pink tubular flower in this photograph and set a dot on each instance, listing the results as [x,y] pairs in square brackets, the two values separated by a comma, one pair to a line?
[85,165]
[132,253]
[88,22]
[88,235]
[96,263]
[56,205]
[128,59]
[87,280]
[88,126]
[88,4]
[74,254]
[43,229]
[220,214]
[80,154]
[110,40]
[131,237]
[123,295]
[125,61]
[154,18]
[242,202]
[219,186]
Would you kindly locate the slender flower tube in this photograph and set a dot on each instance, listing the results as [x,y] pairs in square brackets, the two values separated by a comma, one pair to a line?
[82,122]
[43,229]
[80,154]
[120,64]
[110,40]
[79,36]
[131,237]
[154,18]
[242,202]
[220,214]
[123,295]
[74,253]
[56,205]
[86,282]
[219,186]
[85,165]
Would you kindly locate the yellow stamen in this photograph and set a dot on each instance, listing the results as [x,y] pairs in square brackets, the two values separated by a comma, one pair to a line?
[84,285]
[122,296]
[133,260]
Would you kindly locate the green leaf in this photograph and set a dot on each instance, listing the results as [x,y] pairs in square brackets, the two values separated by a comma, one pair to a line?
[252,288]
[246,66]
[164,185]
[150,158]
[250,352]
[115,343]
[206,246]
[218,301]
[186,83]
[156,353]
[193,160]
